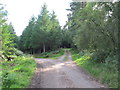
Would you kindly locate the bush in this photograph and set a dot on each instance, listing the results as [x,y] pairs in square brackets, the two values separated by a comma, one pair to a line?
[106,73]
[99,57]
[8,79]
[17,73]
[18,52]
[52,54]
[112,62]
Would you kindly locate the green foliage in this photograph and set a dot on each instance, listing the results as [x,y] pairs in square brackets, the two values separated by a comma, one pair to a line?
[42,33]
[94,27]
[66,39]
[106,73]
[18,52]
[6,38]
[51,54]
[17,70]
[17,73]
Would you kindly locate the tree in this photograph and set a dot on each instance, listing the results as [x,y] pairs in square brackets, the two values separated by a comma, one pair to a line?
[6,38]
[94,27]
[42,34]
[41,29]
[54,36]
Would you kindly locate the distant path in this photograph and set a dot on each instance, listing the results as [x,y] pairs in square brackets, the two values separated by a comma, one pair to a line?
[61,74]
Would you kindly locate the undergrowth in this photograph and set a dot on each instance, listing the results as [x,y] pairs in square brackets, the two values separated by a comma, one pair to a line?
[51,55]
[17,73]
[106,73]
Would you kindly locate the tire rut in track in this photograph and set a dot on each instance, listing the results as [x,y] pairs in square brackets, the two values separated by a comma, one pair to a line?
[61,74]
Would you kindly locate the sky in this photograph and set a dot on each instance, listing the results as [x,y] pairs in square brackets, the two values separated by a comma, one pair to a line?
[20,11]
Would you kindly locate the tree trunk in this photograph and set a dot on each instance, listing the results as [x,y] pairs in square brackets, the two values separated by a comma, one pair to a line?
[32,51]
[43,47]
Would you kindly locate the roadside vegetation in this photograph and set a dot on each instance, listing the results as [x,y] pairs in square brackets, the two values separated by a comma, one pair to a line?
[18,72]
[51,55]
[94,32]
[16,68]
[91,31]
[106,73]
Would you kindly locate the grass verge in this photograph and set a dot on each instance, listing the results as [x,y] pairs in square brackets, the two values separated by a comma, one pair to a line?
[106,73]
[66,56]
[51,55]
[17,73]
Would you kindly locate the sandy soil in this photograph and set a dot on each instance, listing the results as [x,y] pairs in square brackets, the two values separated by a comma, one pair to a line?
[61,74]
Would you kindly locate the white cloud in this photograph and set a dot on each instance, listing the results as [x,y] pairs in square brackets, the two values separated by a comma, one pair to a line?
[20,11]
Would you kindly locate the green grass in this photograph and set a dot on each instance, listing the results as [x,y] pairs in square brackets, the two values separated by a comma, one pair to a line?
[18,73]
[66,57]
[106,74]
[50,55]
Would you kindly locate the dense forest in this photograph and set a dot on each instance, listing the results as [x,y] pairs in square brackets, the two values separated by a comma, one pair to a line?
[43,33]
[91,28]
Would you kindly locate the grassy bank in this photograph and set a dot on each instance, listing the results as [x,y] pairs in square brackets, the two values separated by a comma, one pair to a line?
[106,73]
[51,54]
[17,73]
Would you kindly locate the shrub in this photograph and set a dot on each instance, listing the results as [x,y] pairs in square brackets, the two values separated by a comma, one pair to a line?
[17,73]
[99,57]
[18,52]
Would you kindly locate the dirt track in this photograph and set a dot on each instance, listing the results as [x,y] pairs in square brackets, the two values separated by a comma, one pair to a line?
[61,74]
